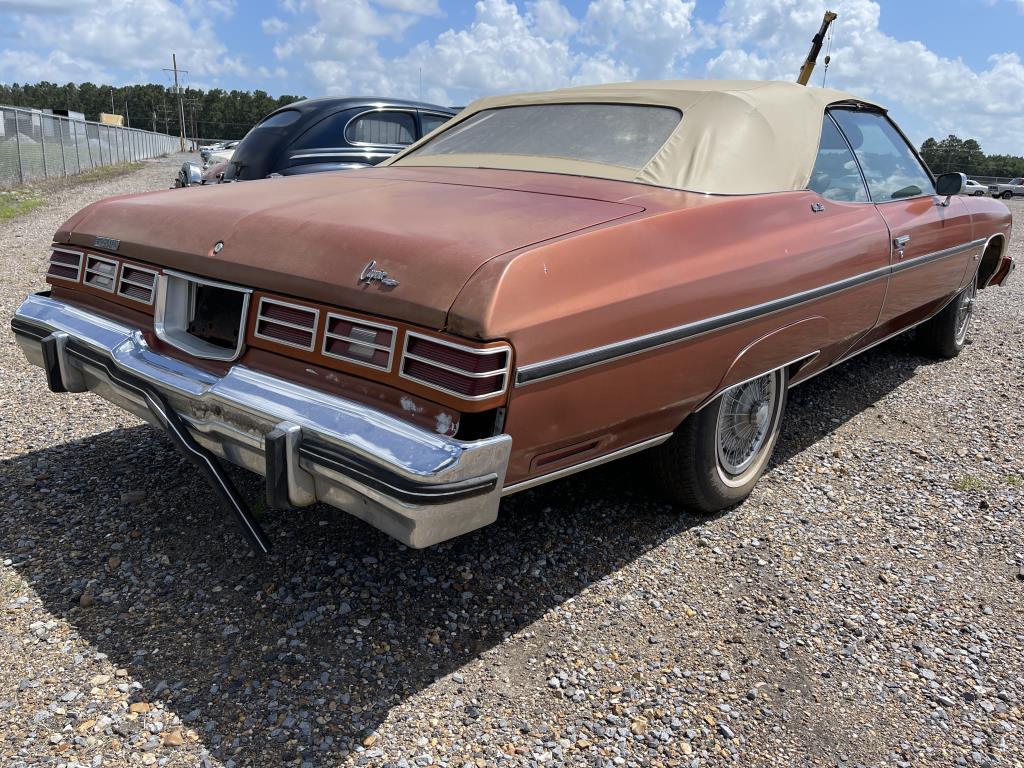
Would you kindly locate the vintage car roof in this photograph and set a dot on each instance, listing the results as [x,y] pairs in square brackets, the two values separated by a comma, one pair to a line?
[735,136]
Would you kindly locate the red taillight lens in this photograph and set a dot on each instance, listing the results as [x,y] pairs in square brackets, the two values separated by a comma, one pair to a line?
[459,370]
[136,283]
[66,265]
[284,323]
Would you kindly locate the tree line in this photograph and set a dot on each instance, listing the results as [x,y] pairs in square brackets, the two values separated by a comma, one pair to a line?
[212,114]
[955,154]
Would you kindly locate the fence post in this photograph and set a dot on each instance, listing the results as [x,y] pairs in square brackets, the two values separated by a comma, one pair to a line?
[88,146]
[42,143]
[63,159]
[17,142]
[73,125]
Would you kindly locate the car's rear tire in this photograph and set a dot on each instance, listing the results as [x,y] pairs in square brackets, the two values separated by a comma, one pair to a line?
[946,333]
[1007,195]
[715,458]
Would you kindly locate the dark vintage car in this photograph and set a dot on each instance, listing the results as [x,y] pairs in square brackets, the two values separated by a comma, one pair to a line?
[327,134]
[549,282]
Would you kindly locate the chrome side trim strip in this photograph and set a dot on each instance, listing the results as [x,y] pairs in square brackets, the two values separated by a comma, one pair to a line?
[533,482]
[559,366]
[850,355]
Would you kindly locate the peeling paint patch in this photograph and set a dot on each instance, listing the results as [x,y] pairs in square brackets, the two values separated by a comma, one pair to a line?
[445,424]
[408,404]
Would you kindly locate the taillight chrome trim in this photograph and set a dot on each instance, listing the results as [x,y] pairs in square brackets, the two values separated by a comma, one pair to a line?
[390,348]
[88,270]
[121,280]
[503,372]
[77,268]
[302,308]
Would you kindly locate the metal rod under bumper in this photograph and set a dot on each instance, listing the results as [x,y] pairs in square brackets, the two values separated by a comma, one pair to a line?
[165,416]
[202,458]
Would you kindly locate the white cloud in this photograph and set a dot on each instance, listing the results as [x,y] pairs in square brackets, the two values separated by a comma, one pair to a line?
[56,67]
[927,93]
[274,26]
[419,7]
[551,19]
[98,39]
[503,49]
[656,36]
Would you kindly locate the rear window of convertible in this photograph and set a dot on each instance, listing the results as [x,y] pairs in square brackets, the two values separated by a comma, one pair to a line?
[624,135]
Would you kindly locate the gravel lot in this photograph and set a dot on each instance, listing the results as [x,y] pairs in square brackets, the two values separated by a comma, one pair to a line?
[864,607]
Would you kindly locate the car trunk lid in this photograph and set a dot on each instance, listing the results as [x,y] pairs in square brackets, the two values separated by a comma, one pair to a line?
[314,237]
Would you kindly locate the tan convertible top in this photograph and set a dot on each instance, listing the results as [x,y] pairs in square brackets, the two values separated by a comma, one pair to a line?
[735,137]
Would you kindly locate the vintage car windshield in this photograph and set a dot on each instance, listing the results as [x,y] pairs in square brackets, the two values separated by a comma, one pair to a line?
[621,135]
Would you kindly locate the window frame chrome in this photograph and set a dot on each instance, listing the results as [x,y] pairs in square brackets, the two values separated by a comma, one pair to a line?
[885,116]
[405,111]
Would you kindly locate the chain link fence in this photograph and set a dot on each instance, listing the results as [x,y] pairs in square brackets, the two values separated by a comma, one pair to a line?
[35,146]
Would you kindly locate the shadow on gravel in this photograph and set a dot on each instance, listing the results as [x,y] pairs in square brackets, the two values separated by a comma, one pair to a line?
[307,649]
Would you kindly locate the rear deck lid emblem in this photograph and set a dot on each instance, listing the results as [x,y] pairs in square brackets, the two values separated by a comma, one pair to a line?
[371,274]
[106,243]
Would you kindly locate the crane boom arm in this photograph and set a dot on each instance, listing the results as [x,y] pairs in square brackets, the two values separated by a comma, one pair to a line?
[812,57]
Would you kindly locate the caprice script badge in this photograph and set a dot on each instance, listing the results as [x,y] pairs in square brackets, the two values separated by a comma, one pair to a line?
[371,274]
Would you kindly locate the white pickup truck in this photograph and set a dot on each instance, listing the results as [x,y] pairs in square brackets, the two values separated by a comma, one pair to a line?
[1013,188]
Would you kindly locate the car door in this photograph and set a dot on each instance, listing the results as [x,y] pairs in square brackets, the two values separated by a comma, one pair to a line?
[928,258]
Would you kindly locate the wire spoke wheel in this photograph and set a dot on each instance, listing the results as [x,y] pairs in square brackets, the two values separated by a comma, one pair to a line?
[748,416]
[964,312]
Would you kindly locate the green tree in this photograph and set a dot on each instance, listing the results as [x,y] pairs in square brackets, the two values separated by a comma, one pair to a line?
[215,114]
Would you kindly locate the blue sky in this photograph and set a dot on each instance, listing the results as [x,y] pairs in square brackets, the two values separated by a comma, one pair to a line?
[941,66]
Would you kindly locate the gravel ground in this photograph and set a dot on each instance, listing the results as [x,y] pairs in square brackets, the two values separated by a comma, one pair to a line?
[862,608]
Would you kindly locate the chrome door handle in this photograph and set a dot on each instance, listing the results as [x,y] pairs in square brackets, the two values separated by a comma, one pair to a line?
[898,243]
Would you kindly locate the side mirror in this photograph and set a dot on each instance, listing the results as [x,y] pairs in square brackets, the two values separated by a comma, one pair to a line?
[949,184]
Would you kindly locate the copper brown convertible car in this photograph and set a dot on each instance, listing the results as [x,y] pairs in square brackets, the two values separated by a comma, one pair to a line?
[547,282]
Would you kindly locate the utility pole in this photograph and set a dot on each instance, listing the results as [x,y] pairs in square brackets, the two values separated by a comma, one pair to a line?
[177,92]
[112,101]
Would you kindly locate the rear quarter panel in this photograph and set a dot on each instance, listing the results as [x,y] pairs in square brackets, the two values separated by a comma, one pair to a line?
[671,267]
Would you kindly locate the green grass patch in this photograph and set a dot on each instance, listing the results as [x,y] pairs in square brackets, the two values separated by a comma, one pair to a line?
[1014,481]
[970,483]
[17,202]
[105,172]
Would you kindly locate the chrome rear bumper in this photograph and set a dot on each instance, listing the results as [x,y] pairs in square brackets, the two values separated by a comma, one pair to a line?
[417,486]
